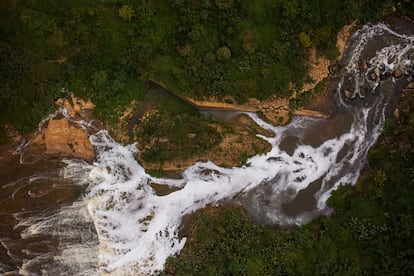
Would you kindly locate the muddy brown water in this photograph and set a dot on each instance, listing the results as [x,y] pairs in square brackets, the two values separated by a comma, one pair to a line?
[29,190]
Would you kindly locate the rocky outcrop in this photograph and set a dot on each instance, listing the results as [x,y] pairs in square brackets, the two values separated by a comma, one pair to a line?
[61,136]
[75,105]
[311,113]
[67,140]
[220,105]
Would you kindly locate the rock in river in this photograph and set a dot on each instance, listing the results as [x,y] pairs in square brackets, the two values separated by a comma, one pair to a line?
[60,139]
[67,140]
[373,76]
[348,93]
[397,73]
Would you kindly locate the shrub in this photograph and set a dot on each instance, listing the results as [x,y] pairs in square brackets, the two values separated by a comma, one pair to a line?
[223,53]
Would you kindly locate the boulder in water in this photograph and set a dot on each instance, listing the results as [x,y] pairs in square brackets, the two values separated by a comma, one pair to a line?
[373,76]
[364,65]
[348,93]
[66,140]
[397,73]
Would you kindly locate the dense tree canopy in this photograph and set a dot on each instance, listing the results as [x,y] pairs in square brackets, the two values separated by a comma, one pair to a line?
[108,49]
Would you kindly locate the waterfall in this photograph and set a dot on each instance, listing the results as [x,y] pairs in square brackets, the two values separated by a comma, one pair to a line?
[138,230]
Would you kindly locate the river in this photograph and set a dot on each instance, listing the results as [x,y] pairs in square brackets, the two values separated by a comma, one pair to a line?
[75,218]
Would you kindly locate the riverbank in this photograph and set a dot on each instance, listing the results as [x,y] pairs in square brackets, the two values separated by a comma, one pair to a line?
[173,133]
[277,110]
[370,227]
[238,136]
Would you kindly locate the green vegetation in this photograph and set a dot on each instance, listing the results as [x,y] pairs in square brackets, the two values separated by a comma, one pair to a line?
[108,49]
[166,136]
[371,231]
[302,99]
[175,129]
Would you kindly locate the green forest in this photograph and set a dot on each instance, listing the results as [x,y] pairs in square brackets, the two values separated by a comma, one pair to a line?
[109,49]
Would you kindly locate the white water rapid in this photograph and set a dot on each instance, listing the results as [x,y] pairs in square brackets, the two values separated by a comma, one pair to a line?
[137,229]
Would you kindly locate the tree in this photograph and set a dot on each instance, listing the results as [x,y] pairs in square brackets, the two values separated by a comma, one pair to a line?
[223,53]
[305,40]
[224,4]
[126,12]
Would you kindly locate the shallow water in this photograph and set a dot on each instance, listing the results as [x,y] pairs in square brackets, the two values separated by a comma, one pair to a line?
[81,218]
[41,220]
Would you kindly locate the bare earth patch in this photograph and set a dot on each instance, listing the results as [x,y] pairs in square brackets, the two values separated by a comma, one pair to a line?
[119,130]
[61,136]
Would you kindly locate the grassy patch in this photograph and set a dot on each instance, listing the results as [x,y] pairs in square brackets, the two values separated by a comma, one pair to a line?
[165,136]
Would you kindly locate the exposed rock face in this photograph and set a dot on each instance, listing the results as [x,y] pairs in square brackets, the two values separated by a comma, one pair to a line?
[75,105]
[62,139]
[373,76]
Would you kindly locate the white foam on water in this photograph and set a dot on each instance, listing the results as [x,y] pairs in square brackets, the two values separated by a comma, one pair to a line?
[395,56]
[138,230]
[72,229]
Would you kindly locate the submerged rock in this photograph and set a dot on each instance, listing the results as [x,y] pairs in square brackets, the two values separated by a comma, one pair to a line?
[385,75]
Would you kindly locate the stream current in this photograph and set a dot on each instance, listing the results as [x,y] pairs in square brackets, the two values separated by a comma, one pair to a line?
[76,218]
